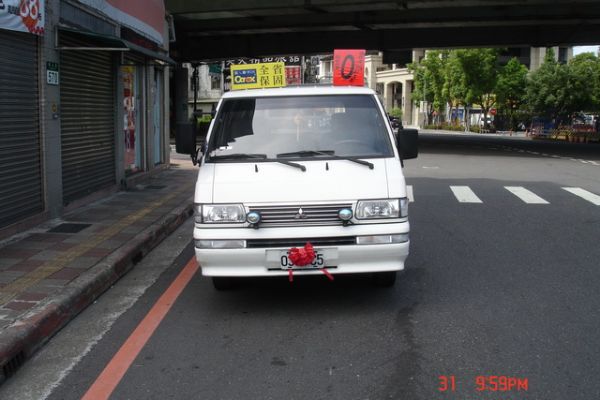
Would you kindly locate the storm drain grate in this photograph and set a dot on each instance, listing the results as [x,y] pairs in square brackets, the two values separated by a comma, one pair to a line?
[13,365]
[155,187]
[69,228]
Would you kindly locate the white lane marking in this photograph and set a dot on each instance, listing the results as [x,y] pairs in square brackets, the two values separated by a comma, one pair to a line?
[526,195]
[410,194]
[594,162]
[584,194]
[464,194]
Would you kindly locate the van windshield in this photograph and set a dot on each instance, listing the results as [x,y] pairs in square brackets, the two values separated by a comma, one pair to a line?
[299,127]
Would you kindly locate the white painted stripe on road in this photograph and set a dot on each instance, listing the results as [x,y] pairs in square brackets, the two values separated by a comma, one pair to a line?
[526,195]
[594,162]
[464,194]
[410,194]
[584,194]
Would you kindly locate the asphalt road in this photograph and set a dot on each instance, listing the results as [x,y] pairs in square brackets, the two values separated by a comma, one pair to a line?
[500,287]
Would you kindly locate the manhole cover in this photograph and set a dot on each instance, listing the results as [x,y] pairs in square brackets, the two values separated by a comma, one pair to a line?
[68,228]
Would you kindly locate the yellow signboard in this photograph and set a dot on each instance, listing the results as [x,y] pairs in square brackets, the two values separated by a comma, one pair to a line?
[255,76]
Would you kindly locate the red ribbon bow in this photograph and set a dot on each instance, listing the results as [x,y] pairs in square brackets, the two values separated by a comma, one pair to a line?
[302,256]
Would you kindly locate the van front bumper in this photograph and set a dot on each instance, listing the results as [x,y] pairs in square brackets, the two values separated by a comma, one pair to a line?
[351,258]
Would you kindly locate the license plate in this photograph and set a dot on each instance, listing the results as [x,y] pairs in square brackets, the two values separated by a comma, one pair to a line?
[279,259]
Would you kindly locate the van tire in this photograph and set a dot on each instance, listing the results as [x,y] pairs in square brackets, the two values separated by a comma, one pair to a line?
[223,283]
[384,279]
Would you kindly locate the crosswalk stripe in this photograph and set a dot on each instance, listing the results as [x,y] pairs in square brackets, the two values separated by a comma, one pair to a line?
[410,194]
[526,195]
[584,194]
[464,194]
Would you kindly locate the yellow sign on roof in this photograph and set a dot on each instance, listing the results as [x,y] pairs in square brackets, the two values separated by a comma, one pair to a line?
[255,76]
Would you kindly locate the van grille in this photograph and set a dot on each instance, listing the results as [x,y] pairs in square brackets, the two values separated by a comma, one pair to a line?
[299,242]
[300,215]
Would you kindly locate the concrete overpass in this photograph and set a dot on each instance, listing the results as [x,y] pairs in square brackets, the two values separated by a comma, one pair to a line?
[208,29]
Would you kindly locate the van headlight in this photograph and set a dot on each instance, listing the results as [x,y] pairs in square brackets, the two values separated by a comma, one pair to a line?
[220,213]
[384,208]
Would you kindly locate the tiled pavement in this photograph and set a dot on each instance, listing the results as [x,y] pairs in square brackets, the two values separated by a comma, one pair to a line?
[52,272]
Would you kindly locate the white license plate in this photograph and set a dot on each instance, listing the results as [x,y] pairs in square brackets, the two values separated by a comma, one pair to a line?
[279,259]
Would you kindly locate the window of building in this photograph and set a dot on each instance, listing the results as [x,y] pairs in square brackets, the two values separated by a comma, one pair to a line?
[215,82]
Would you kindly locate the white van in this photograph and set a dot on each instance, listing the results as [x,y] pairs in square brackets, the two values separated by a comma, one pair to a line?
[284,167]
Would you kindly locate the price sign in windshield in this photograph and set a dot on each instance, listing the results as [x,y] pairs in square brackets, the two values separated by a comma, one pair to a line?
[349,67]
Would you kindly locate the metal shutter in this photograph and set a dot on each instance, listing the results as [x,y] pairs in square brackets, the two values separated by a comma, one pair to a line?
[20,156]
[88,107]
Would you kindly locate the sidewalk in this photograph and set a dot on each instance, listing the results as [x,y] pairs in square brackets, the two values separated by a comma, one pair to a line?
[52,272]
[518,134]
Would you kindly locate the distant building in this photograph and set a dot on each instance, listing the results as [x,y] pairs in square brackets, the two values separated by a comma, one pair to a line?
[210,87]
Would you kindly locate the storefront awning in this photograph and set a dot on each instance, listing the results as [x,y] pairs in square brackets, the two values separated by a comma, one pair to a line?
[110,43]
[149,53]
[100,42]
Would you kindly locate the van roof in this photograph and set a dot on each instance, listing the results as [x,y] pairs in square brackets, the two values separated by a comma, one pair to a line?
[298,91]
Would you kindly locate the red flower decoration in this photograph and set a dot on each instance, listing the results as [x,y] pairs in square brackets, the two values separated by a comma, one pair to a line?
[302,256]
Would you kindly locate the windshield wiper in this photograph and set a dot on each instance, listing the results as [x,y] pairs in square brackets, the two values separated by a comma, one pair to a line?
[330,153]
[243,156]
[292,164]
[238,156]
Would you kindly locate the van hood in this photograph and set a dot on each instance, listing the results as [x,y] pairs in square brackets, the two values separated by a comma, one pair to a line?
[272,182]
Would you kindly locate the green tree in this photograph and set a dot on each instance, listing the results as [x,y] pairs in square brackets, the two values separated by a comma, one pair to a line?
[585,77]
[559,91]
[429,81]
[480,67]
[511,88]
[454,90]
[396,112]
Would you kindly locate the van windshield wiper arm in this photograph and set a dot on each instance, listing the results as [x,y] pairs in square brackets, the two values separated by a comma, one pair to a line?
[292,164]
[244,156]
[329,153]
[238,156]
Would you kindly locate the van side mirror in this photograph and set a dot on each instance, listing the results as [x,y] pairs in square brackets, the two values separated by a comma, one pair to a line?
[408,143]
[185,140]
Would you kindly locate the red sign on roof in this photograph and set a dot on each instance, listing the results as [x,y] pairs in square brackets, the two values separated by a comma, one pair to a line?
[349,67]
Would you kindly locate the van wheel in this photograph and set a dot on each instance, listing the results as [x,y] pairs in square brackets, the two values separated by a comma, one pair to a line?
[222,283]
[384,279]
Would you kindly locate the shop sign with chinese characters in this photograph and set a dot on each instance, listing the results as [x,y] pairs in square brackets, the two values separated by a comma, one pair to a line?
[293,75]
[22,16]
[287,60]
[255,76]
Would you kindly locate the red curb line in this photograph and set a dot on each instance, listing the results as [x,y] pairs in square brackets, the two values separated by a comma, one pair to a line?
[25,336]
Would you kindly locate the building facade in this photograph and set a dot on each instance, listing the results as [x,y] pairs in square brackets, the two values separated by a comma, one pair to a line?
[84,100]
